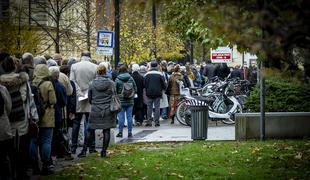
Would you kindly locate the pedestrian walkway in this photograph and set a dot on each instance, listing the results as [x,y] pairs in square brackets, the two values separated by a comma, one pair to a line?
[174,132]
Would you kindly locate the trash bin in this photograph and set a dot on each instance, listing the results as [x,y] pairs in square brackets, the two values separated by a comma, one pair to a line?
[199,116]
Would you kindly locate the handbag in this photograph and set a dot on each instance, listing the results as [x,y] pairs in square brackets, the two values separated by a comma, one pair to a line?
[115,104]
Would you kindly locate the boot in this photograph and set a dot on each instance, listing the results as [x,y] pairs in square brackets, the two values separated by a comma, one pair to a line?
[103,153]
[46,170]
[172,119]
[82,153]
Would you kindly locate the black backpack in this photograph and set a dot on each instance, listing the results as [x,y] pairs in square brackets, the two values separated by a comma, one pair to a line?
[128,90]
[38,100]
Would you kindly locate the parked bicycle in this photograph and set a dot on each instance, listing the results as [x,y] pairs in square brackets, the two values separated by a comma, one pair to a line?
[222,103]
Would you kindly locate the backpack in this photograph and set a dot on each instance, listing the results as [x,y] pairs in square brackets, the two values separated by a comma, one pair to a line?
[38,100]
[128,90]
[17,112]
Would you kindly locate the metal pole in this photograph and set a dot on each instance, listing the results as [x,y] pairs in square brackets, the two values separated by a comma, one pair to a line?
[117,26]
[262,83]
[262,102]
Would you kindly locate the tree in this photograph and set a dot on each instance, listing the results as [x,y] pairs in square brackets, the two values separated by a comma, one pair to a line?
[271,29]
[137,37]
[87,15]
[60,24]
[17,37]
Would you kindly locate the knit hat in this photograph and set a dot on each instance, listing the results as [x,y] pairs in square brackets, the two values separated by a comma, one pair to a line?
[51,62]
[135,68]
[153,64]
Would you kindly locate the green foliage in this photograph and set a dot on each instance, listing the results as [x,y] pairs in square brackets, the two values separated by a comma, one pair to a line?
[281,96]
[196,160]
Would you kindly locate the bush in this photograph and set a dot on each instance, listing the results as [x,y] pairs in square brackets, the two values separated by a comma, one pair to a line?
[281,96]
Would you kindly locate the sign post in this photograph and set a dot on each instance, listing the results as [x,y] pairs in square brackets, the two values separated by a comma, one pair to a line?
[221,55]
[105,43]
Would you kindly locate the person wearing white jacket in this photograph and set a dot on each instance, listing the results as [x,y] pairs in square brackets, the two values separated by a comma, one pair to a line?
[82,73]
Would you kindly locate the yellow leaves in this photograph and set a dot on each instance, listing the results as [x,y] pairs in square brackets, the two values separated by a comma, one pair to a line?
[255,150]
[177,175]
[138,38]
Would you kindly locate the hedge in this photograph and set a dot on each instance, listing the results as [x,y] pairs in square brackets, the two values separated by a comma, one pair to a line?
[281,96]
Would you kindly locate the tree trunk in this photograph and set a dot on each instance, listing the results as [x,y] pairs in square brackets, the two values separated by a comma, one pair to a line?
[57,40]
[204,54]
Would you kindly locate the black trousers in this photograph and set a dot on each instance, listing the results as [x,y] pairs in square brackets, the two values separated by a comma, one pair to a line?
[91,136]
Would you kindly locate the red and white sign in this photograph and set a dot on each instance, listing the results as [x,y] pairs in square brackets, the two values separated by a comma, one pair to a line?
[221,55]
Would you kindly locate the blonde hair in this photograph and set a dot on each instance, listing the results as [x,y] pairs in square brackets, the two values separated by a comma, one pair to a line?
[101,70]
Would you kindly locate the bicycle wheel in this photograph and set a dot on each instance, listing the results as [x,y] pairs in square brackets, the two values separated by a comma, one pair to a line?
[180,112]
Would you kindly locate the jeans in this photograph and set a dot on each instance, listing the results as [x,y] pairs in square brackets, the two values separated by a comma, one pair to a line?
[76,128]
[150,102]
[164,113]
[45,143]
[121,118]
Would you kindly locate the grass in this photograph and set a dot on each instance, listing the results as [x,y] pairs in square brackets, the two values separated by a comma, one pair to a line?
[273,159]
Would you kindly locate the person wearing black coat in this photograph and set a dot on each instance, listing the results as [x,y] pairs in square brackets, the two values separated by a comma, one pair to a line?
[236,73]
[138,108]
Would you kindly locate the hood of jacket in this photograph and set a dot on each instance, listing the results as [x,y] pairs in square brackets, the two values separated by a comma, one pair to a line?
[124,77]
[13,81]
[100,83]
[177,75]
[41,73]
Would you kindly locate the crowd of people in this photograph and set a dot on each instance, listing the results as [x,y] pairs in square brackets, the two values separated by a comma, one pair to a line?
[42,96]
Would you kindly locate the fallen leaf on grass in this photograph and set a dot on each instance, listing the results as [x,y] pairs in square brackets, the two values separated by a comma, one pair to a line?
[259,158]
[175,174]
[298,156]
[157,165]
[234,152]
[255,150]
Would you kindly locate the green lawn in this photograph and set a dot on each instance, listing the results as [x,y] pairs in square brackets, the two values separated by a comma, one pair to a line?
[287,159]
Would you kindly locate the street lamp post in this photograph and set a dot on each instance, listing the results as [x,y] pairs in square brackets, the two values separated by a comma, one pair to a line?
[117,26]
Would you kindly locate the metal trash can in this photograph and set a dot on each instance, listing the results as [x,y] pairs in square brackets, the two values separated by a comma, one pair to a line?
[199,116]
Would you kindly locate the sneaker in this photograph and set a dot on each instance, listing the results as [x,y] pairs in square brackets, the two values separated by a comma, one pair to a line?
[148,125]
[138,124]
[120,135]
[129,135]
[157,124]
[82,154]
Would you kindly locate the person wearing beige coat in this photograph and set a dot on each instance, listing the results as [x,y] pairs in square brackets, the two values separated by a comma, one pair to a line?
[42,81]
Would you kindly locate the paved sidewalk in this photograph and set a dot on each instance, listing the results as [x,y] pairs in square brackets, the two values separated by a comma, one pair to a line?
[174,132]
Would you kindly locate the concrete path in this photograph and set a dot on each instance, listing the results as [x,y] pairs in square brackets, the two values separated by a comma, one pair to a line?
[172,132]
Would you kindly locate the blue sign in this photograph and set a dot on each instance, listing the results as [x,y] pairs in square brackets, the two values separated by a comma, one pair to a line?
[105,39]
